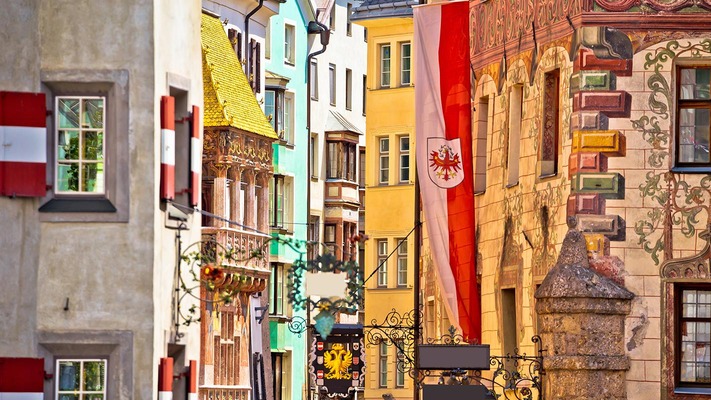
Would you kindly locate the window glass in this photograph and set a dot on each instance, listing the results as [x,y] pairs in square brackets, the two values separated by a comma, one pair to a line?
[313,82]
[332,83]
[404,158]
[383,364]
[385,65]
[405,68]
[80,145]
[289,36]
[382,263]
[402,263]
[695,334]
[384,161]
[81,379]
[694,117]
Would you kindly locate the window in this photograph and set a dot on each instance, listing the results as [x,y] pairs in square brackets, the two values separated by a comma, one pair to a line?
[365,89]
[515,113]
[480,143]
[405,66]
[289,43]
[550,128]
[332,83]
[278,372]
[383,364]
[384,160]
[288,122]
[80,145]
[361,172]
[280,202]
[278,106]
[236,41]
[313,80]
[400,366]
[384,65]
[341,161]
[81,379]
[313,236]
[255,65]
[694,110]
[329,237]
[365,34]
[349,89]
[314,156]
[349,10]
[693,363]
[382,263]
[402,263]
[277,289]
[404,159]
[508,305]
[332,18]
[268,41]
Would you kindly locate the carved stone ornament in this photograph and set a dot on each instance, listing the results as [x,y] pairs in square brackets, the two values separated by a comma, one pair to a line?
[694,267]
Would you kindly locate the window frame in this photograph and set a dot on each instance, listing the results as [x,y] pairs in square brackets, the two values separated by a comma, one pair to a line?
[81,392]
[404,154]
[383,157]
[332,93]
[678,322]
[365,91]
[402,71]
[289,45]
[349,25]
[277,290]
[402,257]
[382,262]
[341,156]
[313,79]
[400,364]
[550,125]
[383,364]
[349,89]
[689,167]
[383,71]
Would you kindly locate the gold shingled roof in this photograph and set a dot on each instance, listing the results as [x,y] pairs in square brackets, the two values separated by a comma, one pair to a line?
[229,100]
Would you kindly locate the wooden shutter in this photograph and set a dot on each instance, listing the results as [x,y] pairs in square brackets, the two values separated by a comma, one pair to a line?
[167,154]
[195,157]
[23,144]
[258,69]
[192,380]
[165,379]
[239,46]
[22,378]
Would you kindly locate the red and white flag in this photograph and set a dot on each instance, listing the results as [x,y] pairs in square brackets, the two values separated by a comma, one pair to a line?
[444,155]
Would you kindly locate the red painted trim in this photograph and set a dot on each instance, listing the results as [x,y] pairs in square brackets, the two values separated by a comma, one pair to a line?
[167,172]
[195,187]
[23,109]
[21,375]
[23,179]
[455,97]
[167,112]
[165,375]
[192,383]
[195,128]
[167,181]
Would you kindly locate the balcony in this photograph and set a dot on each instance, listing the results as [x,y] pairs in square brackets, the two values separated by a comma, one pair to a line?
[243,257]
[224,393]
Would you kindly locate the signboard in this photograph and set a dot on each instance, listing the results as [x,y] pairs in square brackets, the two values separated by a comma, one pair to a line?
[444,356]
[455,392]
[337,364]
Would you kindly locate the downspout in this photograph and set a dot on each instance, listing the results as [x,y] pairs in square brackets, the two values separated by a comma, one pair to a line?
[246,32]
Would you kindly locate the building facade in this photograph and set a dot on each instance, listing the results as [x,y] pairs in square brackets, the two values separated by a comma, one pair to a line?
[389,185]
[599,111]
[92,228]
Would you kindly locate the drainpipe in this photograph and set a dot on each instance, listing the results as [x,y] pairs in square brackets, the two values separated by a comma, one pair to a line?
[246,32]
[324,32]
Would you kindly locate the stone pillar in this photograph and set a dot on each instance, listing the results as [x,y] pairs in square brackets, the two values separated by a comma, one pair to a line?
[582,328]
[236,175]
[263,199]
[249,194]
[219,188]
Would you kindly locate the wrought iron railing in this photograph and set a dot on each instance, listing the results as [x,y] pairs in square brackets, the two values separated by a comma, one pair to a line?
[247,249]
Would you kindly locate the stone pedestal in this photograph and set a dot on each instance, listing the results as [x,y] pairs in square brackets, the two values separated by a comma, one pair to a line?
[581,324]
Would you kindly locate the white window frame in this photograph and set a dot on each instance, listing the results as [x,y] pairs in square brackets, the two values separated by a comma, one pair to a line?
[81,390]
[403,70]
[288,118]
[349,89]
[383,161]
[80,160]
[404,148]
[332,84]
[383,364]
[402,262]
[400,365]
[289,43]
[313,82]
[385,65]
[382,263]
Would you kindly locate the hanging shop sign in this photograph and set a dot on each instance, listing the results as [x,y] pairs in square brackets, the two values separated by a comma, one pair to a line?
[337,363]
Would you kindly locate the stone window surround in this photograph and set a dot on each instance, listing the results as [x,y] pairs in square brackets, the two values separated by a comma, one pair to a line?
[113,206]
[115,346]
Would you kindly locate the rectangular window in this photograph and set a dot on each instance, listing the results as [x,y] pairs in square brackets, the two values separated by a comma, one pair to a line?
[349,28]
[277,202]
[382,263]
[361,172]
[314,156]
[514,151]
[550,129]
[400,366]
[341,161]
[313,80]
[508,306]
[270,107]
[694,121]
[384,161]
[349,89]
[278,371]
[268,41]
[277,289]
[383,364]
[693,348]
[365,90]
[402,263]
[332,83]
[333,158]
[404,159]
[329,237]
[405,64]
[313,236]
[480,144]
[80,379]
[332,18]
[365,34]
[289,43]
[236,41]
[80,145]
[287,133]
[384,65]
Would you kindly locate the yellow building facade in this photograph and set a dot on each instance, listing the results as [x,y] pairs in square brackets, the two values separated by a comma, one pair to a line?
[390,190]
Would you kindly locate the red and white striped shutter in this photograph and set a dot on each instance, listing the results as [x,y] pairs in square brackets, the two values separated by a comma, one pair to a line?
[192,381]
[21,378]
[23,144]
[195,158]
[165,379]
[167,152]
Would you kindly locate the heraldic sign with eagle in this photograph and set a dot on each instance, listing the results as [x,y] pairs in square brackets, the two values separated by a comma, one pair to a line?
[337,363]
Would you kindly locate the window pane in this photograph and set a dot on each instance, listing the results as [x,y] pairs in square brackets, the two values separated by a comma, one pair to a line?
[68,145]
[694,135]
[269,106]
[91,177]
[384,145]
[93,113]
[69,375]
[68,177]
[695,83]
[94,397]
[68,397]
[68,113]
[94,376]
[94,145]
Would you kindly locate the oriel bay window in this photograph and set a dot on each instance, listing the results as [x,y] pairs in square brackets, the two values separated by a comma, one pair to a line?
[341,161]
[694,117]
[80,145]
[278,106]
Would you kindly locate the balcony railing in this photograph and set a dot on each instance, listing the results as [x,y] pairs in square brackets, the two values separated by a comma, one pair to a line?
[236,248]
[224,393]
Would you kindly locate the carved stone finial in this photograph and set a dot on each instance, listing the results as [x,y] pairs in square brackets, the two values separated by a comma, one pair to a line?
[572,222]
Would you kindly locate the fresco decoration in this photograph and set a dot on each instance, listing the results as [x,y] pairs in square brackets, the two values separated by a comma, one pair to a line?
[650,6]
[676,203]
[547,204]
[337,363]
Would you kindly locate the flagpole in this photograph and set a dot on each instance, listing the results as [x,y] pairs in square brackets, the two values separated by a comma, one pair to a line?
[418,243]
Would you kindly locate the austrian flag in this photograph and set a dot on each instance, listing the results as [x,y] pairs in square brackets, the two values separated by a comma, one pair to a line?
[444,155]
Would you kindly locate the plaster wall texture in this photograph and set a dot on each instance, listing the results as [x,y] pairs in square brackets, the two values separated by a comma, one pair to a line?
[117,277]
